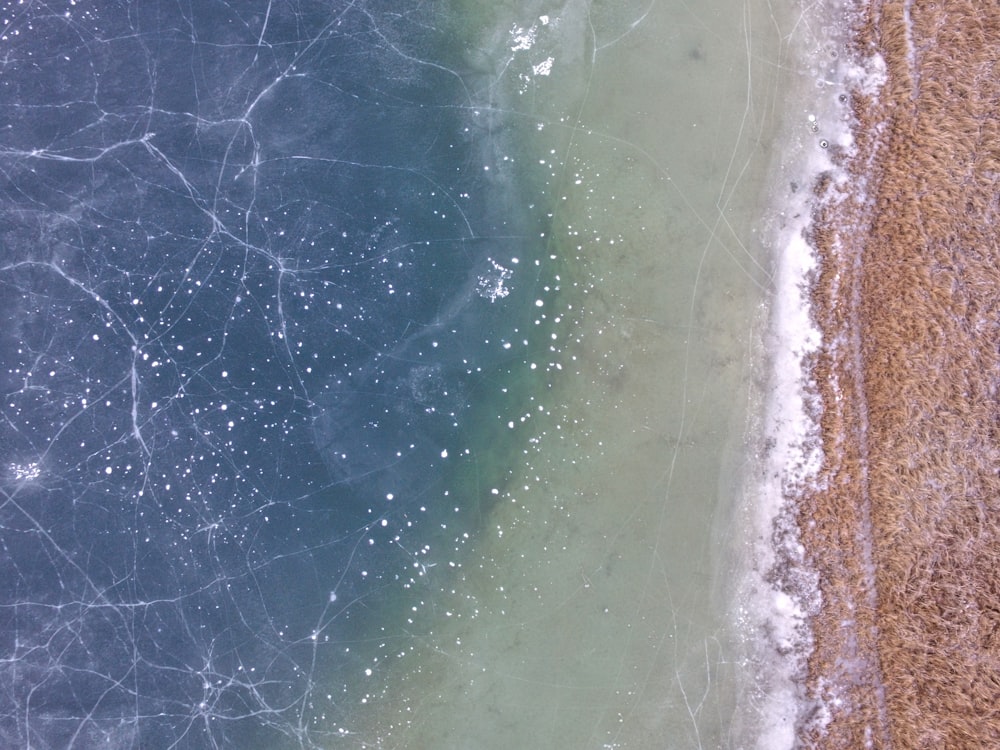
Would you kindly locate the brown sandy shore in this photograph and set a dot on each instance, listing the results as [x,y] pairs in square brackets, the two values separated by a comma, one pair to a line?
[905,534]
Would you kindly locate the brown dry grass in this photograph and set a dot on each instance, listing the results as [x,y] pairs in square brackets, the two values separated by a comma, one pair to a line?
[908,297]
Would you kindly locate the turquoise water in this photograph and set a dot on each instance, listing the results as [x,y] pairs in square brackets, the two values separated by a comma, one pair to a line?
[385,378]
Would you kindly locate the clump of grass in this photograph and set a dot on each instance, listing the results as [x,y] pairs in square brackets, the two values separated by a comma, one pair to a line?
[904,526]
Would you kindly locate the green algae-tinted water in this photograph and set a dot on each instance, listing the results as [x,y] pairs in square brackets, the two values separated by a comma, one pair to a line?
[593,612]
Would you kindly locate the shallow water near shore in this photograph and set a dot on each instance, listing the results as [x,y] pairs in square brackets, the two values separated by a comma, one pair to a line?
[599,607]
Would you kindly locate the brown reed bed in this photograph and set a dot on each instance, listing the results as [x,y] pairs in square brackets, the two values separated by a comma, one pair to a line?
[905,530]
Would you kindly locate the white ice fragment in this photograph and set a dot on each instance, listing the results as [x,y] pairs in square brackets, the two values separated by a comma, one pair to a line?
[522,38]
[544,67]
[25,471]
[492,284]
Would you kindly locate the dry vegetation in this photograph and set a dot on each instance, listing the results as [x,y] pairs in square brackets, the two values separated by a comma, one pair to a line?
[906,533]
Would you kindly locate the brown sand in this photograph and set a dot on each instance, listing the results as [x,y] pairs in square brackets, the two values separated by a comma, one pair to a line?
[906,534]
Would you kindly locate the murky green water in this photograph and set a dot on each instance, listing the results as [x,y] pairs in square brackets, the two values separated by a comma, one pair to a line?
[593,612]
